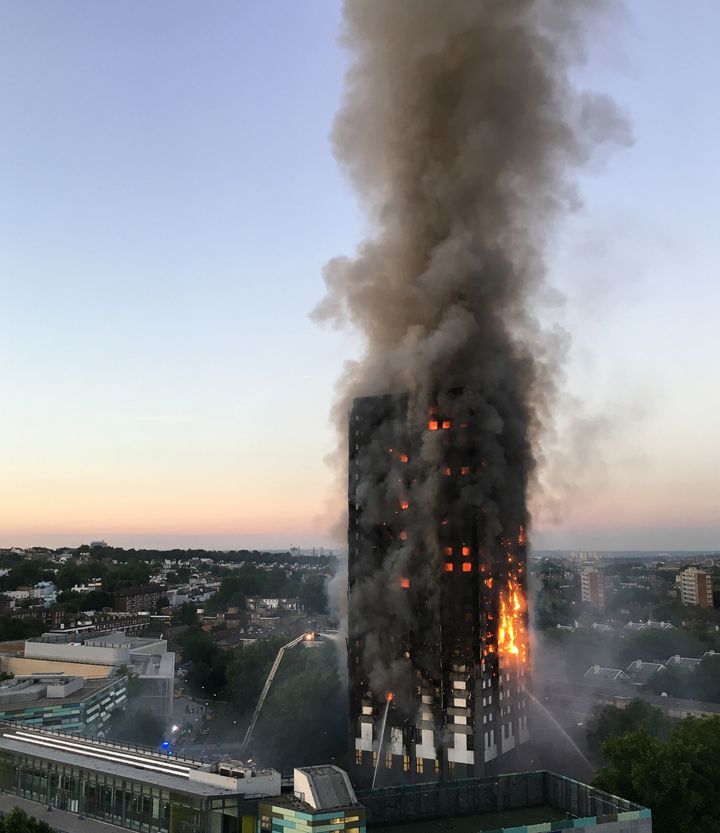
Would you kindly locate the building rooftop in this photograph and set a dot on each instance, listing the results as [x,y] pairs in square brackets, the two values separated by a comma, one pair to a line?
[186,775]
[522,802]
[683,663]
[610,674]
[329,787]
[650,625]
[640,668]
[140,590]
[89,688]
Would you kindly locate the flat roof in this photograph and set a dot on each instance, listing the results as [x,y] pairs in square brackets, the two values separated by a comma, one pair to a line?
[515,820]
[99,758]
[92,686]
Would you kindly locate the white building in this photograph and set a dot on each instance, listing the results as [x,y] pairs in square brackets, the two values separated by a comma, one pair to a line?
[696,587]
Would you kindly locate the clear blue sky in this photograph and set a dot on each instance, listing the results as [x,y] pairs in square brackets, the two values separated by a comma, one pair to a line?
[167,201]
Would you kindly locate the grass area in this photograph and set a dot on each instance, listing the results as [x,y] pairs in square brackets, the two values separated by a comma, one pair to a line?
[475,824]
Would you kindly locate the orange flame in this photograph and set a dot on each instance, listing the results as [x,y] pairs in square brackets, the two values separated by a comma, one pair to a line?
[389,696]
[511,631]
[404,504]
[404,458]
[446,424]
[433,425]
[405,583]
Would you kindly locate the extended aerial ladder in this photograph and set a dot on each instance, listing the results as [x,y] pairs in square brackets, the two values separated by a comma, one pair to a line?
[305,637]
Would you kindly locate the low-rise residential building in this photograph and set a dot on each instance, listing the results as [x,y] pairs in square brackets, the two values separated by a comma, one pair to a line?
[144,597]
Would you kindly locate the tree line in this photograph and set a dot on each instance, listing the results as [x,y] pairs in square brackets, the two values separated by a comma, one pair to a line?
[670,768]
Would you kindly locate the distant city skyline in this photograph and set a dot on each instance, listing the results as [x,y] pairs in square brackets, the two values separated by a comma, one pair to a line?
[169,199]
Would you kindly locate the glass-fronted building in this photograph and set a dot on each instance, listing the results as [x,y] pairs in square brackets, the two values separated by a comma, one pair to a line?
[133,788]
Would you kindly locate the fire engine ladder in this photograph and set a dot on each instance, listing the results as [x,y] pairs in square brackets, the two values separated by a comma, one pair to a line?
[266,688]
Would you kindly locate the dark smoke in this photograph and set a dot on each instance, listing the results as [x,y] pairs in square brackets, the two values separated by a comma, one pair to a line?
[459,131]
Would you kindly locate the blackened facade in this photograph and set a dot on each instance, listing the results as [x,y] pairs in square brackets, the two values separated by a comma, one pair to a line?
[438,654]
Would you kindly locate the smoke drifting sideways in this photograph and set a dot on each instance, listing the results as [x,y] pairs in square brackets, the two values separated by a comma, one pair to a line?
[460,131]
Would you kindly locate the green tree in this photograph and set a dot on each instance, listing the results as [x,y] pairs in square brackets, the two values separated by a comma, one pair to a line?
[706,679]
[247,669]
[18,821]
[313,594]
[676,779]
[304,718]
[612,722]
[11,628]
[186,614]
[671,682]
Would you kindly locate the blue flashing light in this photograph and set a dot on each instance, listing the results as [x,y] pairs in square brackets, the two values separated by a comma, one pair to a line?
[165,744]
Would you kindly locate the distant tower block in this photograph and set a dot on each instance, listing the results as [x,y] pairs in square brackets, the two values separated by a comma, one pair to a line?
[437,592]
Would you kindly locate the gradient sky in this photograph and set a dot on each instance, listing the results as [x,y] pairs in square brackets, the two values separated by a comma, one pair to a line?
[167,201]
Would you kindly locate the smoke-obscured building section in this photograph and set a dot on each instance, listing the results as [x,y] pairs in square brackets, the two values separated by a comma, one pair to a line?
[322,800]
[56,701]
[438,652]
[593,586]
[696,587]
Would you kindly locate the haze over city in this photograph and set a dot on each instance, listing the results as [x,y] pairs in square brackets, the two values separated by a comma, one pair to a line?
[170,198]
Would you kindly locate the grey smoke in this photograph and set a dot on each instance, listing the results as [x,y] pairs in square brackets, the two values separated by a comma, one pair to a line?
[460,132]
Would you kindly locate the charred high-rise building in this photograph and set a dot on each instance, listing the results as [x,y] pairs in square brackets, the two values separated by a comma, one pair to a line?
[438,650]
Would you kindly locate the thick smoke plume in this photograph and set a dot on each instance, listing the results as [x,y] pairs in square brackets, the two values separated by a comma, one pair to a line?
[459,131]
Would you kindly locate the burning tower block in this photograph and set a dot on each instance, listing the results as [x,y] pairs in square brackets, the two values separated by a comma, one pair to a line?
[438,647]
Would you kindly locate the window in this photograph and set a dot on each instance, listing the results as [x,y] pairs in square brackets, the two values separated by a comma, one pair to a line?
[406,763]
[358,757]
[420,765]
[374,763]
[437,767]
[451,768]
[388,760]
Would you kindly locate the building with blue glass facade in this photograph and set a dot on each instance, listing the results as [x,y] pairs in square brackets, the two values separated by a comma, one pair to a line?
[58,701]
